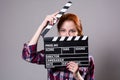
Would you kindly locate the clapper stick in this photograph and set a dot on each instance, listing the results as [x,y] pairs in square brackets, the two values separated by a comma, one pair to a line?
[62,11]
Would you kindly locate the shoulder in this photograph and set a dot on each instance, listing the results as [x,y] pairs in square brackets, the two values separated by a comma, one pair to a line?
[91,58]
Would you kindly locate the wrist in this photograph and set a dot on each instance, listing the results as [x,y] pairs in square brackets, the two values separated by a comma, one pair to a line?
[44,23]
[77,76]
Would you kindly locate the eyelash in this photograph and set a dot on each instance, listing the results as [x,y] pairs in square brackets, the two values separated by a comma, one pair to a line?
[72,30]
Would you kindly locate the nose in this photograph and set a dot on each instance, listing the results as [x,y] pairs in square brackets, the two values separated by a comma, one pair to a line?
[67,33]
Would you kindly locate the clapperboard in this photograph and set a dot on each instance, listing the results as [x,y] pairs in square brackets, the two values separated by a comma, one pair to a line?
[61,12]
[61,50]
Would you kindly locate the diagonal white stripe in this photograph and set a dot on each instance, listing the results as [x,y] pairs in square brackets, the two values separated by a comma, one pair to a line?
[84,38]
[55,21]
[62,38]
[55,39]
[69,38]
[63,10]
[68,4]
[58,15]
[77,38]
[49,26]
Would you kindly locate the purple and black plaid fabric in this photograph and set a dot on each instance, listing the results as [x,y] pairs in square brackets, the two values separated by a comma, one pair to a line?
[31,54]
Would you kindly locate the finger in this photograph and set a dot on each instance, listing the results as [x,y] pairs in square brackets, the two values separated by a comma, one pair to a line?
[74,63]
[70,66]
[71,63]
[51,22]
[50,19]
[54,18]
[71,69]
[55,13]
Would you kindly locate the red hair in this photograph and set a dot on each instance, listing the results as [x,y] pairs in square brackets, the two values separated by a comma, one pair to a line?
[71,17]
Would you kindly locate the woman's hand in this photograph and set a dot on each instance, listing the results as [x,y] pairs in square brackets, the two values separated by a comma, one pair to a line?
[50,19]
[74,68]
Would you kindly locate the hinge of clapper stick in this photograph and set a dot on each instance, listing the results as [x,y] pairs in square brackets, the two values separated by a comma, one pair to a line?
[62,11]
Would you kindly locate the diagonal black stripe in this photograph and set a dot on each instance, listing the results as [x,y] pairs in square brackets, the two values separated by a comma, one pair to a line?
[69,2]
[61,12]
[66,7]
[44,32]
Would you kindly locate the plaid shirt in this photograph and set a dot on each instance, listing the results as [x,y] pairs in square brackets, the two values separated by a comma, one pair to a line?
[31,54]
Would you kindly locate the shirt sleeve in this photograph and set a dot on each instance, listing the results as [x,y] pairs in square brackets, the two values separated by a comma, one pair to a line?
[90,73]
[92,68]
[30,54]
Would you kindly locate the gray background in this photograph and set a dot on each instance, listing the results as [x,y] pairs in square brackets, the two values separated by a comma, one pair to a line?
[19,19]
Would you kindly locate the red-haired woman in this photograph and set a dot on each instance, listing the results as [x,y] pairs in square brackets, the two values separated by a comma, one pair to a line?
[68,25]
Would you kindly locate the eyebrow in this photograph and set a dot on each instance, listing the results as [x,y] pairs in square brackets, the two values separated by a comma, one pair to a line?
[62,28]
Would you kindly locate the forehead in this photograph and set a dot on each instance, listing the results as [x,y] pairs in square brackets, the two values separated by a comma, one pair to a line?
[68,24]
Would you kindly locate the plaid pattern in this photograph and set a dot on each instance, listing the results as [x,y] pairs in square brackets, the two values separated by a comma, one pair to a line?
[31,54]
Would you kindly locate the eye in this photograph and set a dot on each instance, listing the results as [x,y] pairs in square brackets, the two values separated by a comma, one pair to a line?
[72,31]
[62,30]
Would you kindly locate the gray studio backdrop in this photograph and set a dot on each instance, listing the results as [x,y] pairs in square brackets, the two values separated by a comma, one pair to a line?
[19,19]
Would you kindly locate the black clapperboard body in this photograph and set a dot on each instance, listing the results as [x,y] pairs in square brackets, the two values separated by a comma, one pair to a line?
[61,50]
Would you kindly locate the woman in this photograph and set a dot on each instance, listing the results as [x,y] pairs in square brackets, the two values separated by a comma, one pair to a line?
[68,25]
